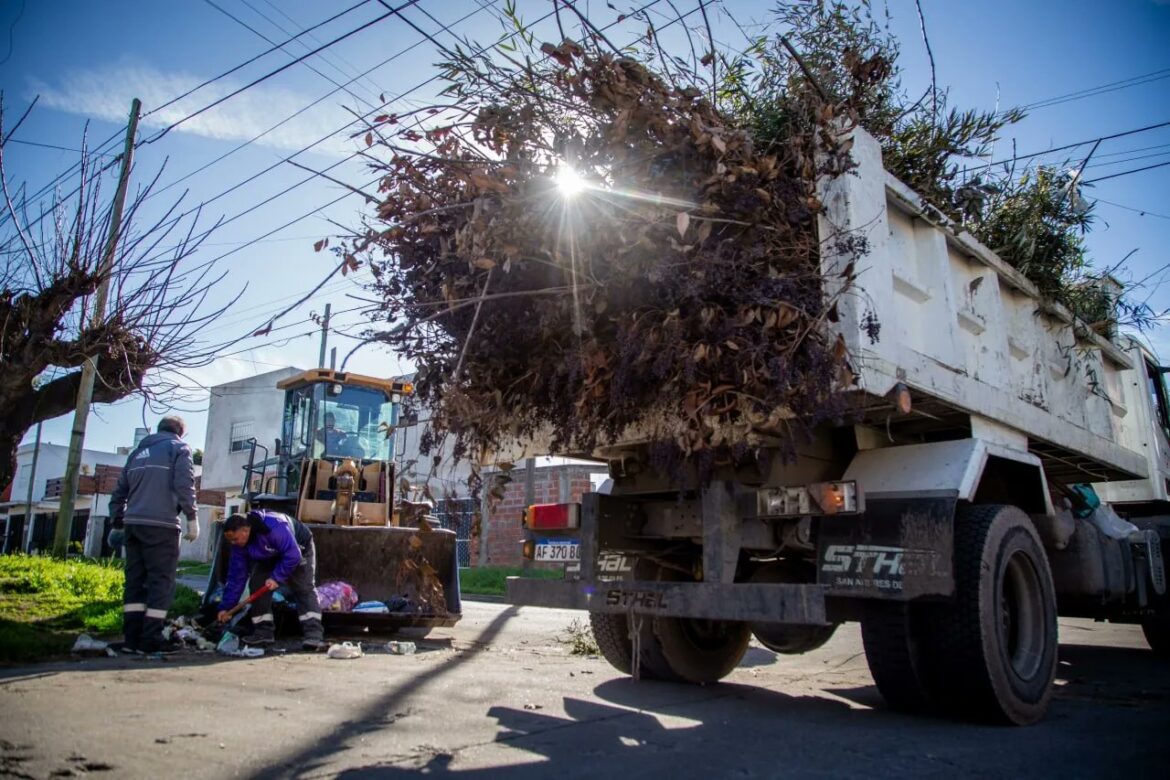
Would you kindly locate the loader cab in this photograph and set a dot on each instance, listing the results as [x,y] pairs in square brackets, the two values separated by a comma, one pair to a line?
[331,415]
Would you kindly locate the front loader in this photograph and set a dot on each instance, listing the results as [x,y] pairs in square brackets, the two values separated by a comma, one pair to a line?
[332,470]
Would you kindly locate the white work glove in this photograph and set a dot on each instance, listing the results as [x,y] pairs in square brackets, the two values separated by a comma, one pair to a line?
[192,529]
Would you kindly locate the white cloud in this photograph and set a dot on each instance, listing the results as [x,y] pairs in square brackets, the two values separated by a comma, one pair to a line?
[105,92]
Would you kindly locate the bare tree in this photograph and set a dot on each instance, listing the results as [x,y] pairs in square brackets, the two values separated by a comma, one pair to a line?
[50,269]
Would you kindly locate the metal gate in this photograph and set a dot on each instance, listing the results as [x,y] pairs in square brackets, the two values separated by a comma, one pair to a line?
[457,514]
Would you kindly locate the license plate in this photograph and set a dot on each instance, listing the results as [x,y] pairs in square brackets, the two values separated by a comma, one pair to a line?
[562,552]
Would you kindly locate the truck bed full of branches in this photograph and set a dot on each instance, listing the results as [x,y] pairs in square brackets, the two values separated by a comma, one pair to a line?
[581,242]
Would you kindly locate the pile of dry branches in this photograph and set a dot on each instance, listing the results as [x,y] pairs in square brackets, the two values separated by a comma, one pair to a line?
[681,284]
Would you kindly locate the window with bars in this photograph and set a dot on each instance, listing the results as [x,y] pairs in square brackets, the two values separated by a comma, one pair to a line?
[242,432]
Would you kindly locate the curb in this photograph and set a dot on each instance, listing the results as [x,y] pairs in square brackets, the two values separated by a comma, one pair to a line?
[482,597]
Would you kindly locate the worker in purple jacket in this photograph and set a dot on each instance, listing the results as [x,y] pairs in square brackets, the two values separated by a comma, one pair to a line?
[279,551]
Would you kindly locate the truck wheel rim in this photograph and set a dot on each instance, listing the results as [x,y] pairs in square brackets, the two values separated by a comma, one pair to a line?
[704,634]
[1023,631]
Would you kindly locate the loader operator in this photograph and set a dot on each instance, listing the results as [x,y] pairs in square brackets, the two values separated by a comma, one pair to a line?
[279,551]
[156,485]
[337,441]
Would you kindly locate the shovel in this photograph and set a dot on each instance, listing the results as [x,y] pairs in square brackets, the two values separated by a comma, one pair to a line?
[232,613]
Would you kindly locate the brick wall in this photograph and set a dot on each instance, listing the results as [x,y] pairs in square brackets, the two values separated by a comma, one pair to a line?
[504,531]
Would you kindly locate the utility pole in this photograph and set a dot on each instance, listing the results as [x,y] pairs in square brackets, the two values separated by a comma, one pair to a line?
[32,482]
[324,336]
[89,367]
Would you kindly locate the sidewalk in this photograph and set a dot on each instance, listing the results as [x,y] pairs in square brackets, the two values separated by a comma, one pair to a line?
[199,583]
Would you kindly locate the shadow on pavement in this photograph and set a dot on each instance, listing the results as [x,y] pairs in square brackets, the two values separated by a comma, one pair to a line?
[650,729]
[379,712]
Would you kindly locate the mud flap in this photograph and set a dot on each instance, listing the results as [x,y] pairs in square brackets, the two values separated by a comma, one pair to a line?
[900,549]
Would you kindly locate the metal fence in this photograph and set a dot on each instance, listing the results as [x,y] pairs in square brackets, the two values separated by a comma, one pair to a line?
[457,514]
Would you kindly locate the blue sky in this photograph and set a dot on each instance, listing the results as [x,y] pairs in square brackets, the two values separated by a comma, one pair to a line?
[87,60]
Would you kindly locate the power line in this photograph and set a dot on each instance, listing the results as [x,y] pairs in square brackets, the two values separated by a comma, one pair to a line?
[1101,89]
[426,37]
[1125,160]
[1019,157]
[1135,151]
[275,45]
[247,62]
[1127,173]
[332,60]
[1142,212]
[277,71]
[117,134]
[376,178]
[54,146]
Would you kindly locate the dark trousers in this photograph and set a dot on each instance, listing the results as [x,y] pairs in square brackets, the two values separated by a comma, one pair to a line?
[303,583]
[152,561]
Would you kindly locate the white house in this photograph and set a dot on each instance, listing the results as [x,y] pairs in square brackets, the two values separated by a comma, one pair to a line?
[238,412]
[50,467]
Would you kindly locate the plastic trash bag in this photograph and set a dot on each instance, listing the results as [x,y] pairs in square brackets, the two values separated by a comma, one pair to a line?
[337,596]
[345,650]
[86,644]
[229,643]
[401,648]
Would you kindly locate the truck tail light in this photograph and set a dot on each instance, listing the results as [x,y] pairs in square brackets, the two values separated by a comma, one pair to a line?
[818,498]
[552,517]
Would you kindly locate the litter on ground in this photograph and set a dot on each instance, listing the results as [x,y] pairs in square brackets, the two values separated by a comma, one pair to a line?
[345,650]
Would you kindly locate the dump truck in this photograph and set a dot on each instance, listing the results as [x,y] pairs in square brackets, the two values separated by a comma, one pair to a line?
[333,470]
[1007,463]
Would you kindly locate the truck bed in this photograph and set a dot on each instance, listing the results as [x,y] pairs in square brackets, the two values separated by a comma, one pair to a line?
[970,337]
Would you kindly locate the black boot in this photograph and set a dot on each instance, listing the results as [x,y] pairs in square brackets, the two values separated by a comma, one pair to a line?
[131,633]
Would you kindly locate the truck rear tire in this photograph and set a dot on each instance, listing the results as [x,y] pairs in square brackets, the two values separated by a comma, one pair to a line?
[611,631]
[789,638]
[991,653]
[701,651]
[1157,631]
[792,639]
[893,655]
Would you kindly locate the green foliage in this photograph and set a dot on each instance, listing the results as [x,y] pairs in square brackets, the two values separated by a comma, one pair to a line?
[194,568]
[186,602]
[1036,220]
[845,60]
[579,637]
[925,149]
[1037,224]
[489,580]
[45,603]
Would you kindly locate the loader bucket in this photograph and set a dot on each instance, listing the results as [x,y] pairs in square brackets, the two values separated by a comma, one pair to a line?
[382,563]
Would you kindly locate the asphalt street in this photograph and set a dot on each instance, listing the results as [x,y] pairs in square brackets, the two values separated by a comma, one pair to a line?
[501,694]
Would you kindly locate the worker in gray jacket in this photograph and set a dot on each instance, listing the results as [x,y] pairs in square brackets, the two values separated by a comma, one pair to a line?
[155,487]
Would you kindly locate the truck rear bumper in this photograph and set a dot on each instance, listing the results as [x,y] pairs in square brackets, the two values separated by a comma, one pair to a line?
[771,603]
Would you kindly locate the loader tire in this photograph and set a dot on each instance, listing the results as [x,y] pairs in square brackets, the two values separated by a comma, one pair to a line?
[702,651]
[893,655]
[991,653]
